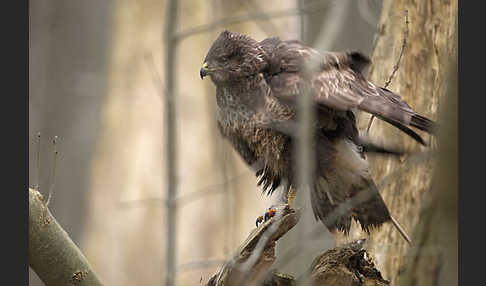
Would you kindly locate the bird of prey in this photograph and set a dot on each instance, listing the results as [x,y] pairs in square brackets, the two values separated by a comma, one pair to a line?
[258,85]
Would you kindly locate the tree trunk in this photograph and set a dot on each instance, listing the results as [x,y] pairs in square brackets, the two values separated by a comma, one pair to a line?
[422,81]
[437,229]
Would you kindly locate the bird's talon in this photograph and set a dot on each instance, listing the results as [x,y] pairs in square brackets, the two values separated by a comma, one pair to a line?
[259,220]
[266,216]
[270,213]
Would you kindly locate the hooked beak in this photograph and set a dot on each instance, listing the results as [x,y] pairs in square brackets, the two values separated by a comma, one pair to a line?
[204,70]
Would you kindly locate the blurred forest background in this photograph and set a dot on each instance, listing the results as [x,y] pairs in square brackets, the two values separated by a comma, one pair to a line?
[96,81]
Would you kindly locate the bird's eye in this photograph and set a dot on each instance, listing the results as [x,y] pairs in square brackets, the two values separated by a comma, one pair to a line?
[226,57]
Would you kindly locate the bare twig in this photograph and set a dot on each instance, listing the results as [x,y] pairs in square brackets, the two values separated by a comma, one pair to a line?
[159,86]
[396,66]
[365,9]
[301,5]
[203,263]
[253,258]
[212,189]
[369,124]
[312,7]
[184,199]
[52,254]
[268,27]
[53,173]
[306,116]
[404,43]
[156,202]
[170,137]
[229,204]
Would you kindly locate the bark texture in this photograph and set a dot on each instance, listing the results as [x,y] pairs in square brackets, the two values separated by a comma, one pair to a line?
[52,254]
[422,80]
[256,254]
[434,260]
[348,265]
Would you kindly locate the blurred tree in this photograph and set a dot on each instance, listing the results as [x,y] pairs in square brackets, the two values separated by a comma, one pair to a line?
[126,220]
[68,51]
[438,223]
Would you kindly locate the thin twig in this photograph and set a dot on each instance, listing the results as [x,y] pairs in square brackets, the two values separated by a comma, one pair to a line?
[229,205]
[197,264]
[313,7]
[256,254]
[53,173]
[156,202]
[212,189]
[301,5]
[395,67]
[262,242]
[369,124]
[170,137]
[366,12]
[184,199]
[37,168]
[159,86]
[268,27]
[404,43]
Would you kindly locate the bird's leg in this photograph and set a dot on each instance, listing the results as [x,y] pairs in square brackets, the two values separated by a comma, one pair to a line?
[288,198]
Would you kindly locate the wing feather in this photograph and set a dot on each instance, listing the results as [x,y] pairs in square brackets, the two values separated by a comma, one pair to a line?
[338,83]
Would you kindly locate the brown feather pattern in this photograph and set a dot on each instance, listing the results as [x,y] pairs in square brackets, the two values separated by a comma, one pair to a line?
[257,85]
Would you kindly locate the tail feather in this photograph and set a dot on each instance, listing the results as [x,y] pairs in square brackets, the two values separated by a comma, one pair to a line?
[335,208]
[390,107]
[424,124]
[405,129]
[372,211]
[371,147]
[328,209]
[346,191]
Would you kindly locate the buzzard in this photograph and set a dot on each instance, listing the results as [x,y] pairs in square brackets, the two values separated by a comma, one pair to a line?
[257,88]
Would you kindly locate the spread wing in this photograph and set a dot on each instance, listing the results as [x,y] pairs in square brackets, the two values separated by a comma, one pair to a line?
[335,80]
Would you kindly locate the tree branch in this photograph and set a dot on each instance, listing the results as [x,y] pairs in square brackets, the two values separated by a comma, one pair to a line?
[434,259]
[313,7]
[395,67]
[52,254]
[236,271]
[171,141]
[342,266]
[347,265]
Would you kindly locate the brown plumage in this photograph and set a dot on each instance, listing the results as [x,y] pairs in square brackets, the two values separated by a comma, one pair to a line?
[257,85]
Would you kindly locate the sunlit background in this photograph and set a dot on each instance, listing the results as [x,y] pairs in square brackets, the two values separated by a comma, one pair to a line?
[97,70]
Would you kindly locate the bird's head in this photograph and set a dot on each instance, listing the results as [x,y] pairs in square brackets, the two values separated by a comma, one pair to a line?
[232,57]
